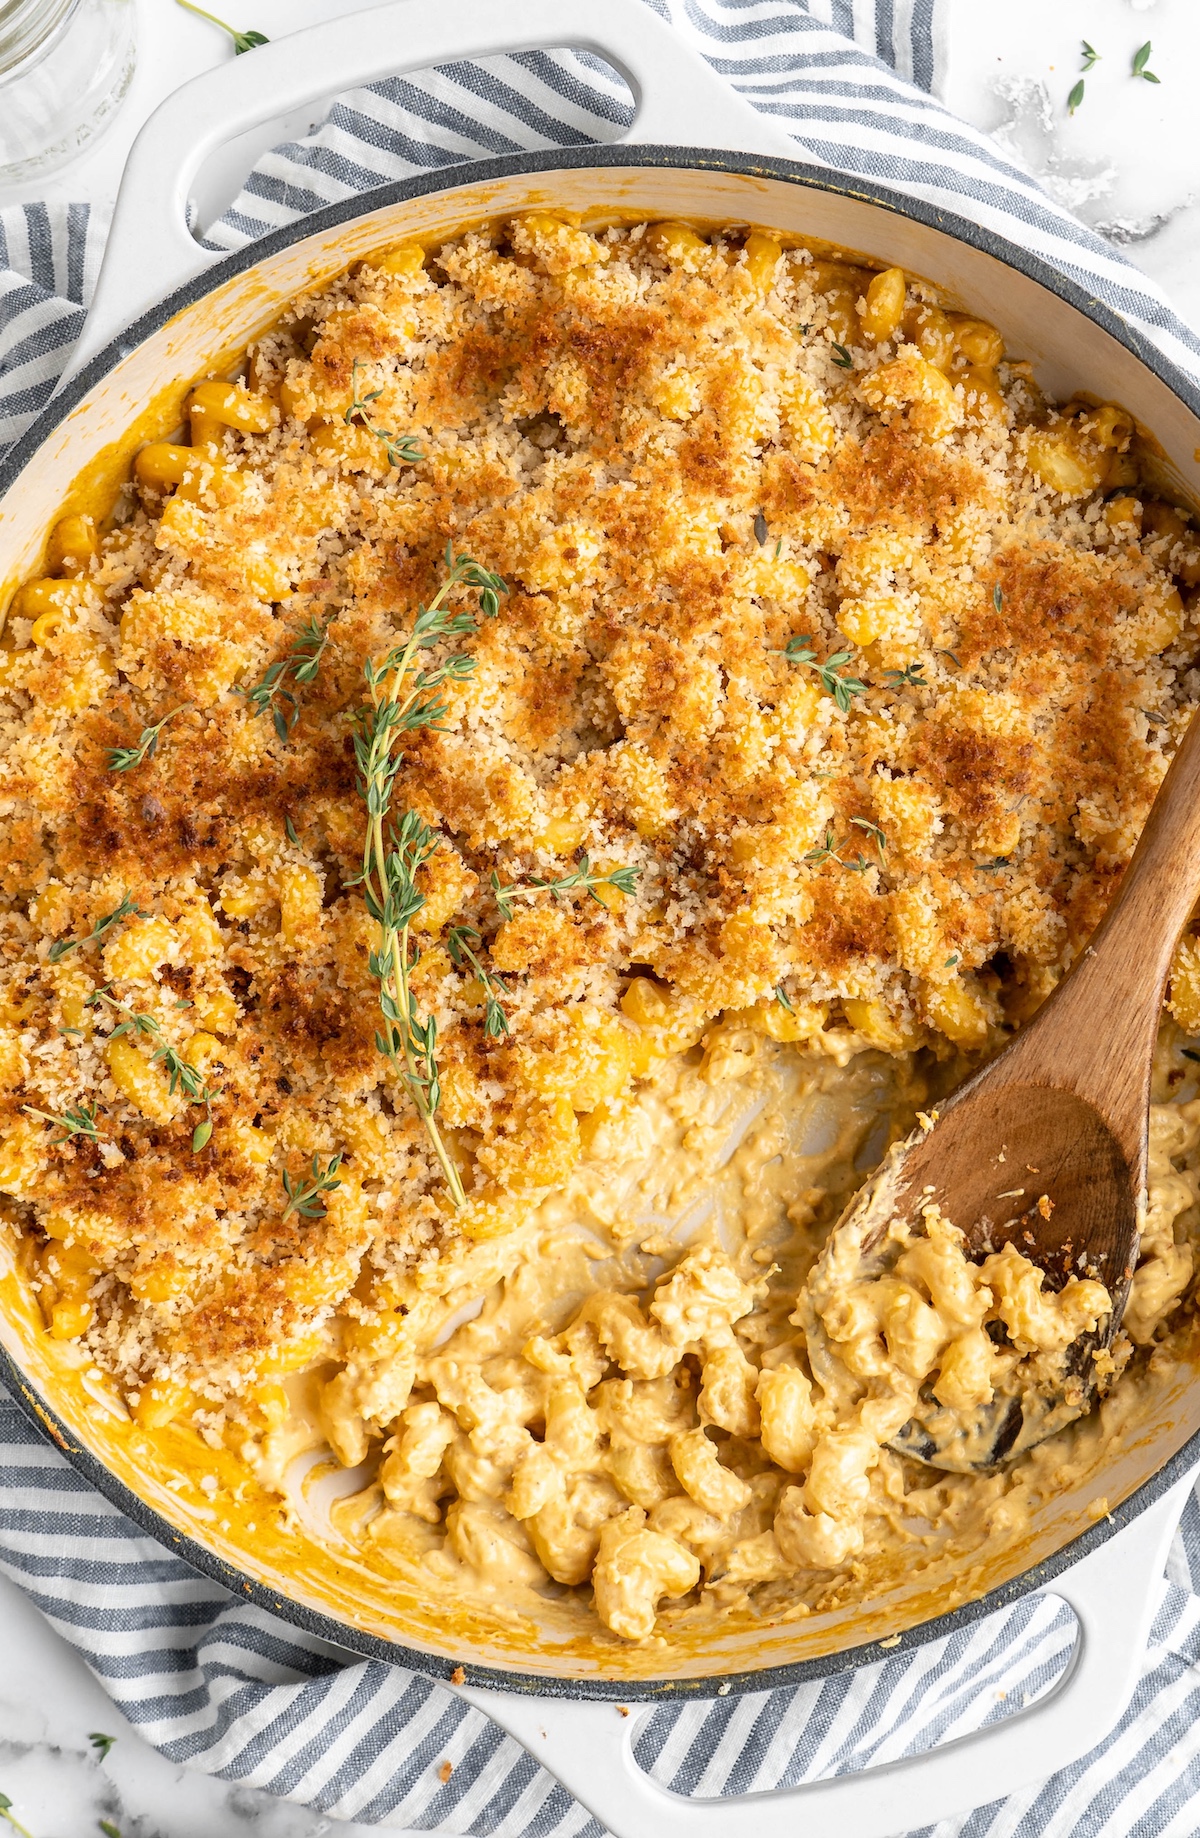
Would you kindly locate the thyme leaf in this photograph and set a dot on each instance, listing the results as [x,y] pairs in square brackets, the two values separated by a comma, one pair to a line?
[781,996]
[304,1196]
[761,531]
[299,667]
[242,41]
[121,759]
[102,1744]
[1090,56]
[128,909]
[1141,58]
[998,597]
[842,688]
[81,1122]
[1075,97]
[401,449]
[842,357]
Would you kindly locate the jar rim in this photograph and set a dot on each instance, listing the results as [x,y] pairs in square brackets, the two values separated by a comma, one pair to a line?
[26,27]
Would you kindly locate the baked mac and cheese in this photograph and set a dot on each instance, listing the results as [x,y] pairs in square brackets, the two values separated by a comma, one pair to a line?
[579,700]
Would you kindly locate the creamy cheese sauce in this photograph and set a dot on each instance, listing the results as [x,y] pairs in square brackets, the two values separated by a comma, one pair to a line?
[658,1401]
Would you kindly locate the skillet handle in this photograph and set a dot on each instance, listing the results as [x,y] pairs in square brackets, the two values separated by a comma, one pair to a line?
[1114,1592]
[679,98]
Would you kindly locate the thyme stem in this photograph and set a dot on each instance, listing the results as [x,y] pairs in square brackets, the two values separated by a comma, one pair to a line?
[242,41]
[300,664]
[128,909]
[582,877]
[401,700]
[121,759]
[495,1024]
[6,1813]
[81,1122]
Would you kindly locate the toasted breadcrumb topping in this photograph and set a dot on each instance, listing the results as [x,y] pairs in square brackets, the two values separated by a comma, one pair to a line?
[863,658]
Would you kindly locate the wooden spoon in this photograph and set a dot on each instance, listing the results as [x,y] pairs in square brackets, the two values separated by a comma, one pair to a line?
[1063,1111]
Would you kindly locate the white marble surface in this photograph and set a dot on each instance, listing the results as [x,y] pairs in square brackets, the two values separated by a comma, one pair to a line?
[1129,163]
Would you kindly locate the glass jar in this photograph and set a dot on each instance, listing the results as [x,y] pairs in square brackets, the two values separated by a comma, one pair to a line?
[64,67]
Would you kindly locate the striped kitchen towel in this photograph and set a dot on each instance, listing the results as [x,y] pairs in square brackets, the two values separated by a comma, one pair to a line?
[225,1687]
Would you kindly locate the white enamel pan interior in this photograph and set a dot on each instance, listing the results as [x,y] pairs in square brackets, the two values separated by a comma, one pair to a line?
[164,315]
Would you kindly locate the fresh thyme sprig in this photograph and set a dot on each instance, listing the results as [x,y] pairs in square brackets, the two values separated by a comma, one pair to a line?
[1141,58]
[462,952]
[582,878]
[181,1074]
[827,851]
[401,449]
[81,1122]
[304,1196]
[121,759]
[401,700]
[842,688]
[300,665]
[242,41]
[128,909]
[842,357]
[6,1813]
[911,674]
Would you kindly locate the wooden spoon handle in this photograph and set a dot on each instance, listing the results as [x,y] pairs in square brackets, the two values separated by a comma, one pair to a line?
[1096,1034]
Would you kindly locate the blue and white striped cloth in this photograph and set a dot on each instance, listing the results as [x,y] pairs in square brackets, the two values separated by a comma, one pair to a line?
[225,1687]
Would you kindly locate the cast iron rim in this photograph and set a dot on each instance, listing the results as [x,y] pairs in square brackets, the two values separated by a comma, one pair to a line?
[341,1634]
